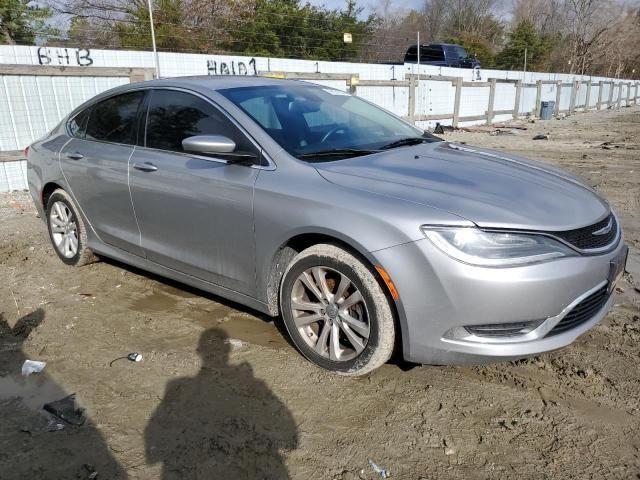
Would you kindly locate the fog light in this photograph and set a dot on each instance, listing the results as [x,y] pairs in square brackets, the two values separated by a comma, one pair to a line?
[503,329]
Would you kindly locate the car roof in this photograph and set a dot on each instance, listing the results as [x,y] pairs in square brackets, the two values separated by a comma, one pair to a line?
[422,45]
[221,82]
[444,45]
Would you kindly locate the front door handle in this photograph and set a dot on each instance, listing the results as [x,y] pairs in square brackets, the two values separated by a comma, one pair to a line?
[145,167]
[75,156]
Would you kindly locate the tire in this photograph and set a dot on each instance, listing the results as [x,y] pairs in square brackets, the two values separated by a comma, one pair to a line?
[309,311]
[58,215]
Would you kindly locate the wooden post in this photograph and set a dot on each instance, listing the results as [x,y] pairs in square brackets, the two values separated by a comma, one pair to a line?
[141,75]
[610,99]
[558,98]
[492,99]
[456,104]
[628,94]
[412,97]
[352,83]
[619,102]
[516,104]
[588,100]
[600,91]
[538,98]
[574,94]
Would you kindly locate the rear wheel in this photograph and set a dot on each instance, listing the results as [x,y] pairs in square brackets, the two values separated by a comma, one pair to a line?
[336,311]
[67,230]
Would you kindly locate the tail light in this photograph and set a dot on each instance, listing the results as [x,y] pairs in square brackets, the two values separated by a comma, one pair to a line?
[26,151]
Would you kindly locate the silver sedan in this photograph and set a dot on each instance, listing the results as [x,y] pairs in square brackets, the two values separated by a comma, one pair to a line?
[368,235]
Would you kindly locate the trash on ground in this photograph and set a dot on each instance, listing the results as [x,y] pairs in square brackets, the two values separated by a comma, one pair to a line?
[379,470]
[498,131]
[54,425]
[133,356]
[32,366]
[440,129]
[235,343]
[518,126]
[90,471]
[67,410]
[541,136]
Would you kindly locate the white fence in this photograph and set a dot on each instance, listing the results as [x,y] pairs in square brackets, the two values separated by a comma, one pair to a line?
[13,176]
[40,85]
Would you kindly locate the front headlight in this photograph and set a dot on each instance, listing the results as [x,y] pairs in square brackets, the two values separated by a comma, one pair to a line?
[495,249]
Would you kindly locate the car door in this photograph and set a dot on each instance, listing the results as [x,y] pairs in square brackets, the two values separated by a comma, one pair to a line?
[195,212]
[95,165]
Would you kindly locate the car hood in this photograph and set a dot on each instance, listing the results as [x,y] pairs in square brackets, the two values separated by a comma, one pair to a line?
[491,189]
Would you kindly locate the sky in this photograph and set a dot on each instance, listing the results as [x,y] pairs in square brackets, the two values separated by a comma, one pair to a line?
[502,7]
[367,4]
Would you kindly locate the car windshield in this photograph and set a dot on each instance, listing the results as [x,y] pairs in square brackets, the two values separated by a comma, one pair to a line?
[320,124]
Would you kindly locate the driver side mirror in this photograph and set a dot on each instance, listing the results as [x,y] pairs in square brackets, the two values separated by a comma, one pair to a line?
[218,146]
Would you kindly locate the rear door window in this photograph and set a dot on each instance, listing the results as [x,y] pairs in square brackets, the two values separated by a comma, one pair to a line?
[174,116]
[113,120]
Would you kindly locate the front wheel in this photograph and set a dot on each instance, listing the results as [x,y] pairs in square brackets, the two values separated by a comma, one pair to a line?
[336,311]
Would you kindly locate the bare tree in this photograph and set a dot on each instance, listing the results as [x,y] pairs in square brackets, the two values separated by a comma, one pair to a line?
[434,17]
[587,22]
[547,15]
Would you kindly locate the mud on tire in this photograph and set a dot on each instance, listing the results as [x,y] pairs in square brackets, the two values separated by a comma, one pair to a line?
[83,255]
[339,263]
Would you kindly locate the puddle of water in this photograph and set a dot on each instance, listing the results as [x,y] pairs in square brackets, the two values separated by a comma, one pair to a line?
[242,327]
[234,323]
[156,302]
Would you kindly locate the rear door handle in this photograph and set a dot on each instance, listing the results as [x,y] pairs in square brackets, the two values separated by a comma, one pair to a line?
[75,156]
[145,167]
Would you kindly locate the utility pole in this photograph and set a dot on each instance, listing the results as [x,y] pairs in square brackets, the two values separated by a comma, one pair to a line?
[153,40]
[418,53]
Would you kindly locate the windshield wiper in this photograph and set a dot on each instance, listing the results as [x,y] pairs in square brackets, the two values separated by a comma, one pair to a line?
[406,141]
[337,152]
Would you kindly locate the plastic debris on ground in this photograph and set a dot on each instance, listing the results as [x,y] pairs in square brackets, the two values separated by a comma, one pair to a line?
[133,357]
[379,470]
[67,410]
[90,471]
[32,366]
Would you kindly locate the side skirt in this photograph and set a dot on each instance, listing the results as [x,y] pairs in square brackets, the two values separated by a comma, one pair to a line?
[147,265]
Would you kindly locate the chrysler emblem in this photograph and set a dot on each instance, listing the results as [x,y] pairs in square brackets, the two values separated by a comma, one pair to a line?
[604,230]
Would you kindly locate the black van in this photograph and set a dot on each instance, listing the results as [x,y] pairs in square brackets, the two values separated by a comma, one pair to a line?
[441,54]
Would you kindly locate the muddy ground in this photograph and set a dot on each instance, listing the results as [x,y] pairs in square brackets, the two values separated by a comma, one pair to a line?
[221,394]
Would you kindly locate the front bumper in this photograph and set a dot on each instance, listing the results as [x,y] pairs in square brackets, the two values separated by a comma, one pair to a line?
[439,296]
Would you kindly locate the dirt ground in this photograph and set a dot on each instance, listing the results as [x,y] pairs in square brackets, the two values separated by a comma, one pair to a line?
[221,394]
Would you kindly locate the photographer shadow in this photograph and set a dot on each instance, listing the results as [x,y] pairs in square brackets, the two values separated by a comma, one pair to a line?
[222,423]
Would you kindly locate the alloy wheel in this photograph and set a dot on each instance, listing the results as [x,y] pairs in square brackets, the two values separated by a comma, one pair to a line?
[330,313]
[64,229]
